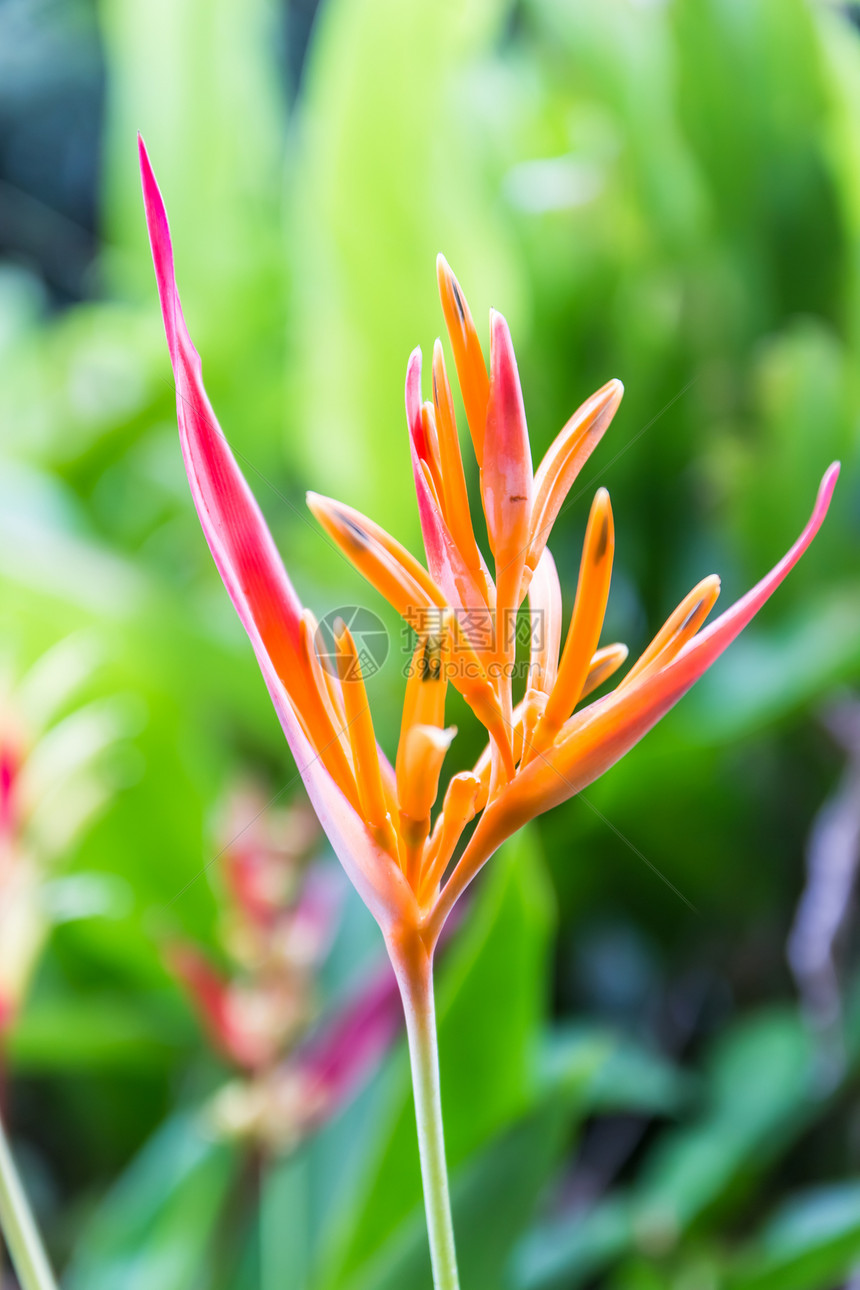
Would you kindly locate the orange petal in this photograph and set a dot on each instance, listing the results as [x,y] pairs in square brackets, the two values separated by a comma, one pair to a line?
[455,497]
[418,771]
[427,683]
[564,460]
[458,809]
[418,781]
[469,676]
[448,567]
[604,663]
[319,717]
[532,711]
[471,369]
[589,610]
[679,627]
[386,564]
[601,734]
[359,725]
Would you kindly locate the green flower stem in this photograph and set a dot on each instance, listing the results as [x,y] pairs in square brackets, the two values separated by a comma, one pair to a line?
[19,1228]
[416,988]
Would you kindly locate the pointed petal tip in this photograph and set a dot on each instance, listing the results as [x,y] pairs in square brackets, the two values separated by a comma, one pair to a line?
[828,482]
[147,174]
[499,326]
[413,380]
[443,268]
[320,506]
[823,497]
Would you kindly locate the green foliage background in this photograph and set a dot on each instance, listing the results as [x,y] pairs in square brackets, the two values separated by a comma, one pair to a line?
[666,192]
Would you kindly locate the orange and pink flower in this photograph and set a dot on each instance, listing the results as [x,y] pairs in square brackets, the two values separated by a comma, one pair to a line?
[397,847]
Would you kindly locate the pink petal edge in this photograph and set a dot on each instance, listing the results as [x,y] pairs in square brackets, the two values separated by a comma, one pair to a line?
[252,572]
[603,733]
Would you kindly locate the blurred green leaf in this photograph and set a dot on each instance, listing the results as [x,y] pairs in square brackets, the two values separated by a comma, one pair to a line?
[813,1243]
[200,82]
[385,178]
[570,1252]
[64,1034]
[160,1224]
[760,1091]
[621,1076]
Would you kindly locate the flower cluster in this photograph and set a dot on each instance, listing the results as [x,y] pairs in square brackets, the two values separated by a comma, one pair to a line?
[280,910]
[406,856]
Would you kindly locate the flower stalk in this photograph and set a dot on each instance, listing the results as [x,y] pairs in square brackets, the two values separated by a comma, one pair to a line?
[19,1227]
[415,978]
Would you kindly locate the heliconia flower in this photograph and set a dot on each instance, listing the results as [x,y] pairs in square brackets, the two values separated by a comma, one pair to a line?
[550,746]
[398,848]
